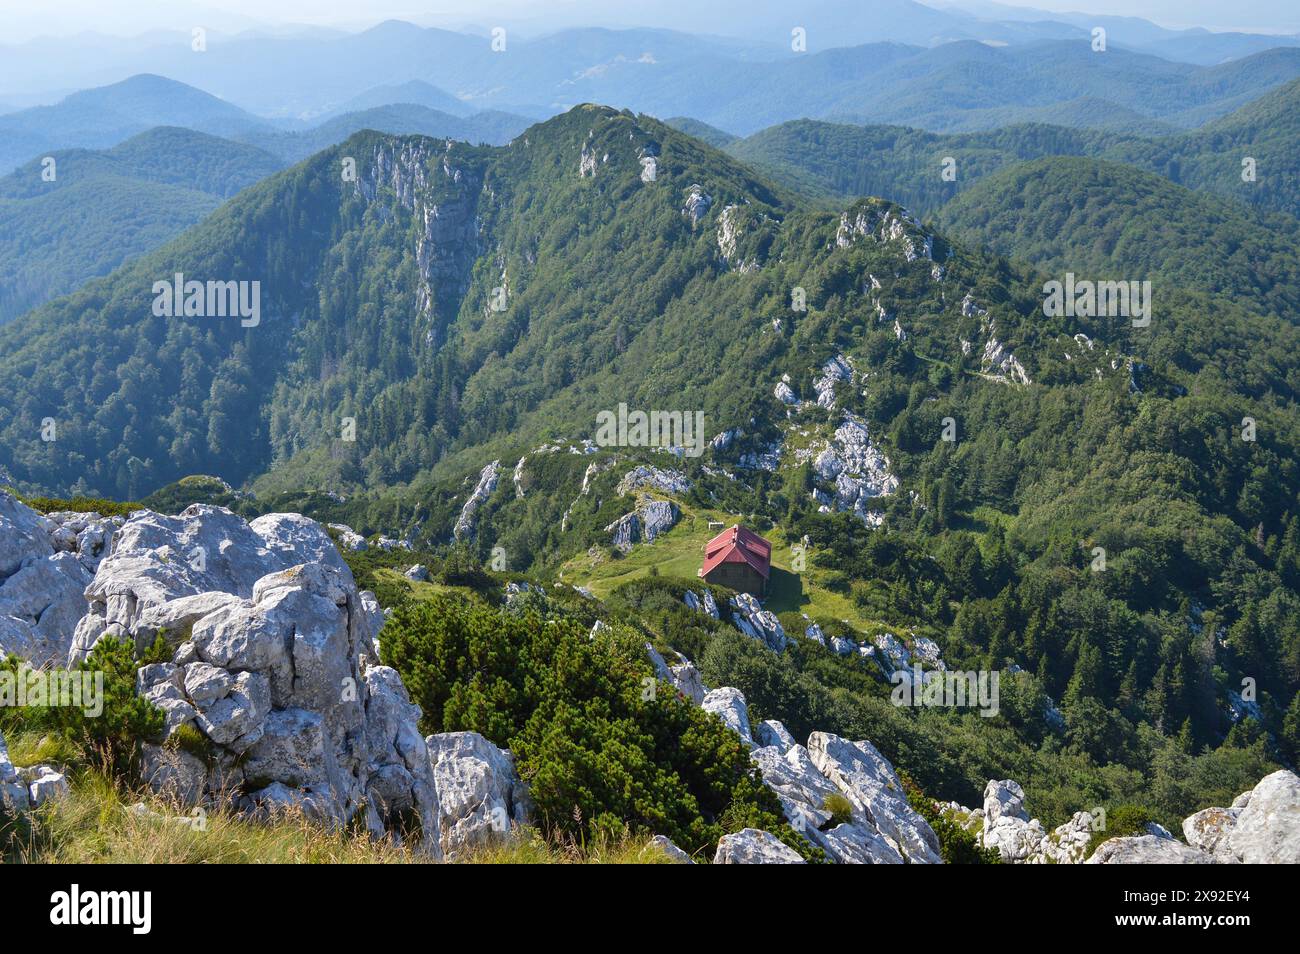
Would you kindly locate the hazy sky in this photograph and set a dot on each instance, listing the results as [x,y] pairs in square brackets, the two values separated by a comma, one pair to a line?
[22,19]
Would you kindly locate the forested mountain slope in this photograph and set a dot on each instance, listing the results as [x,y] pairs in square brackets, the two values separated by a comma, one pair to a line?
[104,207]
[1099,217]
[107,115]
[905,165]
[1213,158]
[465,313]
[1246,155]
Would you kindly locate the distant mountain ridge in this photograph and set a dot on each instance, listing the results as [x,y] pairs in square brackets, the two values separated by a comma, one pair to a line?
[742,86]
[105,207]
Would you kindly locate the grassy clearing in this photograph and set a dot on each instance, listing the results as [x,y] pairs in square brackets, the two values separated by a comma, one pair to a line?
[679,553]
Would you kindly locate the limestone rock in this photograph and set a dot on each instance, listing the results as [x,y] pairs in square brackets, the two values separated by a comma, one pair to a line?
[665,481]
[728,704]
[697,204]
[665,844]
[801,788]
[1147,850]
[754,621]
[753,846]
[688,682]
[773,733]
[46,784]
[349,539]
[46,562]
[487,483]
[868,781]
[1208,828]
[14,794]
[479,792]
[1268,829]
[156,559]
[855,843]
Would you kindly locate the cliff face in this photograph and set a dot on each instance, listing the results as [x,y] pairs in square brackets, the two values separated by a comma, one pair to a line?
[430,181]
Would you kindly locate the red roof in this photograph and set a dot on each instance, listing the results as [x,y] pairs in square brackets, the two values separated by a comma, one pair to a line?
[738,545]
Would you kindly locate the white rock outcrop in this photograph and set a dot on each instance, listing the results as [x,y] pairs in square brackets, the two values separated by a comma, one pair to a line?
[644,524]
[272,662]
[728,704]
[156,561]
[665,481]
[487,483]
[757,623]
[46,563]
[869,782]
[1268,829]
[479,793]
[752,846]
[1148,850]
[14,794]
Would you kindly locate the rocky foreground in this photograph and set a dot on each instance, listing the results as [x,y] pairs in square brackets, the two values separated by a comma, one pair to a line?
[273,668]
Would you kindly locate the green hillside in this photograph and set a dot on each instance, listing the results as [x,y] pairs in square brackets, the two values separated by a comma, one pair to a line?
[904,165]
[1087,215]
[1211,158]
[105,207]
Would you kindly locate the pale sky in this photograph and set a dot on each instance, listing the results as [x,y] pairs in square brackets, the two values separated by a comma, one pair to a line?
[21,19]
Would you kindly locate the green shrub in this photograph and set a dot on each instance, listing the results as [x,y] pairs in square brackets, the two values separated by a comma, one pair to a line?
[603,746]
[957,846]
[1121,822]
[105,508]
[112,737]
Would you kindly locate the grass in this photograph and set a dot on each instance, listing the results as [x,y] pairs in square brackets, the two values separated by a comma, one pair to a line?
[93,825]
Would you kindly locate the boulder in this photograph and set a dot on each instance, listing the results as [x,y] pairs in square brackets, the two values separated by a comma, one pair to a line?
[1268,829]
[156,559]
[688,682]
[398,765]
[728,704]
[773,733]
[1007,826]
[868,781]
[1208,828]
[753,846]
[801,788]
[1067,844]
[46,784]
[758,623]
[46,562]
[272,664]
[479,792]
[665,844]
[855,843]
[349,539]
[664,481]
[14,793]
[1147,850]
[173,773]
